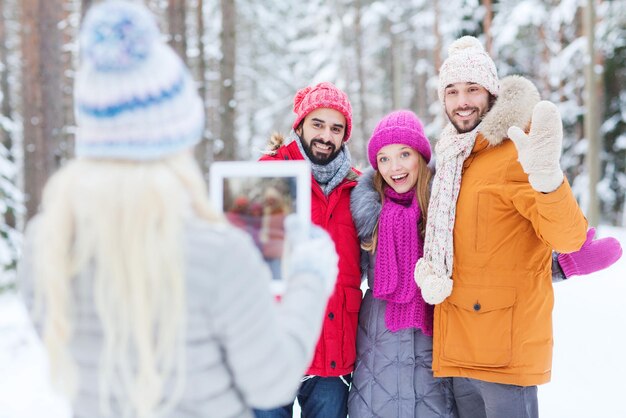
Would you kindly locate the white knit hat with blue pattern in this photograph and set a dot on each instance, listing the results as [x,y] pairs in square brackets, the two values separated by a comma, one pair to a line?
[134,97]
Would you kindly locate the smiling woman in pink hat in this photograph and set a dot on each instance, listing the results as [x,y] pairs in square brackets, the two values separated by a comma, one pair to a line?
[392,376]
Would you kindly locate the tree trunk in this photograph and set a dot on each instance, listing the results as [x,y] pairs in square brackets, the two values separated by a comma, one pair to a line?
[592,104]
[7,140]
[395,50]
[387,65]
[42,95]
[7,111]
[68,35]
[176,13]
[543,68]
[438,44]
[358,33]
[419,97]
[84,7]
[227,81]
[488,4]
[202,149]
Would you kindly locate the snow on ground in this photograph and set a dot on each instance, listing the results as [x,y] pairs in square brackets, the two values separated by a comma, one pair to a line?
[587,373]
[589,344]
[24,389]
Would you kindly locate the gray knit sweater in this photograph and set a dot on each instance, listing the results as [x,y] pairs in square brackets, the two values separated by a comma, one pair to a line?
[243,350]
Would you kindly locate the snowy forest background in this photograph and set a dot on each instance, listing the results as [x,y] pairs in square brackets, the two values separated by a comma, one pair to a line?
[249,58]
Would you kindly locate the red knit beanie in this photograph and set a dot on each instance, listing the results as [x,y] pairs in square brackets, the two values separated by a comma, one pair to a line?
[399,127]
[322,95]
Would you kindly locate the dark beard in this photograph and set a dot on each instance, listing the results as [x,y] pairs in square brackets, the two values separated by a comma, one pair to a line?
[316,159]
[461,128]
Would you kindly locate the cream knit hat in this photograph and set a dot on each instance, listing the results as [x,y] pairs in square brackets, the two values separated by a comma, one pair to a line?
[468,62]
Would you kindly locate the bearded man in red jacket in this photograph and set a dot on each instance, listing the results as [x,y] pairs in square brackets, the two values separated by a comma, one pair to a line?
[320,131]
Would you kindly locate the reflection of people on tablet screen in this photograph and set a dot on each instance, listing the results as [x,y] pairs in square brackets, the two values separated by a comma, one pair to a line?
[238,213]
[272,233]
[255,211]
[247,215]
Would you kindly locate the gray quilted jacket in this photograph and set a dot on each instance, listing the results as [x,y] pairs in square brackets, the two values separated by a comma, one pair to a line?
[392,376]
[243,350]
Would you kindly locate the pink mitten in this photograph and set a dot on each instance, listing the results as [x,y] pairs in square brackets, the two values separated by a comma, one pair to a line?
[592,256]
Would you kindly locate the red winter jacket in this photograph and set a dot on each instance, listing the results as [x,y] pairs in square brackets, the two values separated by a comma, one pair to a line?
[336,349]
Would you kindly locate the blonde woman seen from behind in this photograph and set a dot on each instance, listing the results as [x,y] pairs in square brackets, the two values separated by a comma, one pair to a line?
[137,287]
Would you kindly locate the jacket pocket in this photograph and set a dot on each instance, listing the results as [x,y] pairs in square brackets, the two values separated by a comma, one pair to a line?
[353,299]
[350,323]
[478,326]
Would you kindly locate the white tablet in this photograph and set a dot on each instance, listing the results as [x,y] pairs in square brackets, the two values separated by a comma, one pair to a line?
[256,196]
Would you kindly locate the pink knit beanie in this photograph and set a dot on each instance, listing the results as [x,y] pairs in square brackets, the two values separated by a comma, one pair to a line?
[468,62]
[322,95]
[399,127]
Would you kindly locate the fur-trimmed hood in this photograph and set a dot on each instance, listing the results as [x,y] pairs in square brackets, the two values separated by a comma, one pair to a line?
[514,107]
[365,205]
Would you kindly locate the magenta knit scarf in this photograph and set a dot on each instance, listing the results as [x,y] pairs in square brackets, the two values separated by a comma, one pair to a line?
[399,247]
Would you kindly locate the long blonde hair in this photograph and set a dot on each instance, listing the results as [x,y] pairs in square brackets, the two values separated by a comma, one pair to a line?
[422,191]
[122,222]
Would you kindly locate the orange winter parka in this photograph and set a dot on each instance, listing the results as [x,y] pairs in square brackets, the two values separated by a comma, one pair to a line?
[496,325]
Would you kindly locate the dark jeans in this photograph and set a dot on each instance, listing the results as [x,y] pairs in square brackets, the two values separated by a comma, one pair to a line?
[319,397]
[479,399]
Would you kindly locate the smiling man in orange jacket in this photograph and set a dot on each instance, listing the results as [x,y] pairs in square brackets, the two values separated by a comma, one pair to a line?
[499,206]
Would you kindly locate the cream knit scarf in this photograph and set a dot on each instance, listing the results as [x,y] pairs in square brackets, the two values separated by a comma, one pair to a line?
[434,269]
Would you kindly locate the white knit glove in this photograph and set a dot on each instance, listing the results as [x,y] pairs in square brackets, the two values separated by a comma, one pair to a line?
[539,152]
[309,250]
[435,289]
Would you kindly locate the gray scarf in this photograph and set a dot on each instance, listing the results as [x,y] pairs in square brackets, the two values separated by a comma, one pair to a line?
[328,176]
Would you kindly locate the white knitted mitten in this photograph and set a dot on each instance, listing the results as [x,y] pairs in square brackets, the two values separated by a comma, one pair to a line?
[310,252]
[435,289]
[539,152]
